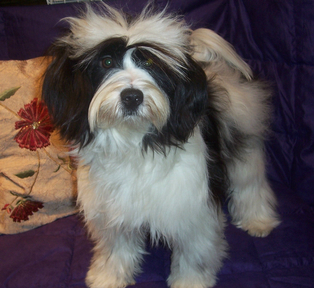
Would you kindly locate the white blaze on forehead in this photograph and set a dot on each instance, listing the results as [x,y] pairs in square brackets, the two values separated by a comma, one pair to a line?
[136,75]
[132,70]
[128,63]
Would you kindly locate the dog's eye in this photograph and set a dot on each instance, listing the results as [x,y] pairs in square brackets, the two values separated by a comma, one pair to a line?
[148,63]
[107,62]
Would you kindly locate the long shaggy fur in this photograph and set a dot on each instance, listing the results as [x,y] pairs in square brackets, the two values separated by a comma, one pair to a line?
[165,120]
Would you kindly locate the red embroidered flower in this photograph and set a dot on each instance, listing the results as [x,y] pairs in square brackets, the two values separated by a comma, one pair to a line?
[24,209]
[36,127]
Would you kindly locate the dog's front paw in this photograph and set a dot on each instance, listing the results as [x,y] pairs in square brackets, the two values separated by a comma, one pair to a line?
[104,280]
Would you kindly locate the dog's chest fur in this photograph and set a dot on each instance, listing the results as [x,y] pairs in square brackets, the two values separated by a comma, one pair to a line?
[138,188]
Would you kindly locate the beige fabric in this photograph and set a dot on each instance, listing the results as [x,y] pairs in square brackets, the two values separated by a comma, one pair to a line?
[55,185]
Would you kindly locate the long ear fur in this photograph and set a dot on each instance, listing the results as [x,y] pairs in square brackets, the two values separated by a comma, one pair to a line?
[67,92]
[188,104]
[210,47]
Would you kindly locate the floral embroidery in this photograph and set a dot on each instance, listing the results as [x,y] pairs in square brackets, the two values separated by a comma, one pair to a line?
[24,209]
[35,129]
[36,126]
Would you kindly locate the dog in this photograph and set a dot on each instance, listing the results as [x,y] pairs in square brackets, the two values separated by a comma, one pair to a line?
[164,120]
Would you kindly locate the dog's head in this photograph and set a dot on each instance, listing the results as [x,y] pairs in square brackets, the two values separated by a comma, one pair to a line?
[112,72]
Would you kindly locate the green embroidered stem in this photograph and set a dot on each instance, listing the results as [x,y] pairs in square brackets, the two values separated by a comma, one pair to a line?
[5,107]
[54,160]
[36,175]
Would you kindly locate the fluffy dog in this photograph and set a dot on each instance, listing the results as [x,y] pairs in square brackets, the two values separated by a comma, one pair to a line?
[165,120]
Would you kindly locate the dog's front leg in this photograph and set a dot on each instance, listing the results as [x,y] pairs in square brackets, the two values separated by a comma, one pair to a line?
[117,258]
[198,252]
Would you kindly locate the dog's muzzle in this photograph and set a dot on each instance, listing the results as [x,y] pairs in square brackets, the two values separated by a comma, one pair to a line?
[131,99]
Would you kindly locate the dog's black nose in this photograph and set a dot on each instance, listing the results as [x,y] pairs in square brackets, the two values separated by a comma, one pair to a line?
[131,98]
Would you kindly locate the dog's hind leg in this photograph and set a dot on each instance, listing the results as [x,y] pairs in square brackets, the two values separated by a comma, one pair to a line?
[252,201]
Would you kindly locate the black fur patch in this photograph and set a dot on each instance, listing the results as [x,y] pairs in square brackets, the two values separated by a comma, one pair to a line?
[70,85]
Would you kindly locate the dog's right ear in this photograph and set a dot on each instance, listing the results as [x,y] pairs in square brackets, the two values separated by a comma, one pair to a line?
[67,91]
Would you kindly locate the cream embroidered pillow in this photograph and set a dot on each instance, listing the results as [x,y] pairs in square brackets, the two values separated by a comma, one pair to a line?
[37,178]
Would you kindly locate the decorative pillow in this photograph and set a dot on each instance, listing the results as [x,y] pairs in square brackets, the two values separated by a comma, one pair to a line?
[37,177]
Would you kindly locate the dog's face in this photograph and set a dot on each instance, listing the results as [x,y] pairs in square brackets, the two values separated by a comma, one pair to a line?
[129,78]
[132,86]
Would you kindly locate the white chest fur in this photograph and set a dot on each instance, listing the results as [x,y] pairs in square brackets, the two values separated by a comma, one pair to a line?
[134,188]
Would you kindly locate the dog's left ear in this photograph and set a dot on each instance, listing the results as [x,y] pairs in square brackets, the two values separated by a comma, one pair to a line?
[189,102]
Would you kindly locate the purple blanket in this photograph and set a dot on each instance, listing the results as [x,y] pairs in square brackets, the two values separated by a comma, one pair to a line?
[277,39]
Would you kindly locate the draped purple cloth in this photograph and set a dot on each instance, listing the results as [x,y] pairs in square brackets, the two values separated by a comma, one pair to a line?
[277,39]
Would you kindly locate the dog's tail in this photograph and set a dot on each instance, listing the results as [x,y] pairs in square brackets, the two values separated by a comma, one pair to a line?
[209,47]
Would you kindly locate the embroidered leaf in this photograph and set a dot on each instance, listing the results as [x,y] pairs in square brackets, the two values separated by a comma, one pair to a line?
[25,174]
[15,193]
[70,167]
[19,202]
[57,169]
[25,197]
[20,195]
[62,159]
[8,93]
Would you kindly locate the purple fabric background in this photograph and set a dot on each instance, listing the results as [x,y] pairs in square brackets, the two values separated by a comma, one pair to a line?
[277,39]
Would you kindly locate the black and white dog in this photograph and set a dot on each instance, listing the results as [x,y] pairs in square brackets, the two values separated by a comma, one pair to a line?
[165,119]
